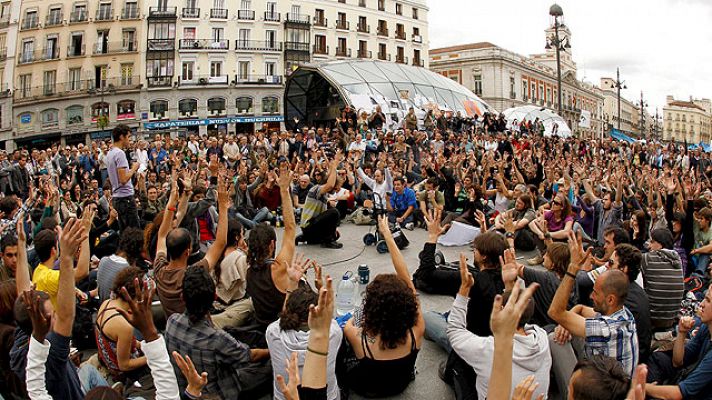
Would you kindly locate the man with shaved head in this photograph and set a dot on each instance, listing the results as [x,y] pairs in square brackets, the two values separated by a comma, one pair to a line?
[607,329]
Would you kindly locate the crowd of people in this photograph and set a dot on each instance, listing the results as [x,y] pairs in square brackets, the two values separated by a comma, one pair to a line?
[157,260]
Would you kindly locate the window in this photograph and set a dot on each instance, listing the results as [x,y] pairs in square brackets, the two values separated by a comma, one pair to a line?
[416,58]
[158,109]
[55,16]
[478,84]
[102,42]
[50,83]
[127,74]
[76,44]
[51,50]
[100,72]
[381,51]
[512,91]
[98,110]
[126,109]
[28,51]
[244,38]
[381,5]
[548,95]
[75,79]
[128,40]
[50,118]
[399,9]
[218,35]
[187,108]
[270,69]
[30,21]
[216,106]
[270,105]
[187,70]
[320,44]
[341,47]
[415,13]
[79,13]
[215,69]
[362,3]
[362,24]
[25,85]
[271,39]
[243,70]
[533,91]
[75,115]
[525,90]
[244,105]
[103,13]
[130,10]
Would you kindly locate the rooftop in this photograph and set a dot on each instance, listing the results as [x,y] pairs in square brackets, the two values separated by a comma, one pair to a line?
[685,104]
[462,47]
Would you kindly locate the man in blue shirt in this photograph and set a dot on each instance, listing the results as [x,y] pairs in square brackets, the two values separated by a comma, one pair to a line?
[695,355]
[402,205]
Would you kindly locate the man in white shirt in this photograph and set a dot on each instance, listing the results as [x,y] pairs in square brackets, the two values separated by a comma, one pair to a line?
[231,151]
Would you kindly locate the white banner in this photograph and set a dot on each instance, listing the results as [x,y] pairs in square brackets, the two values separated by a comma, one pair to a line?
[585,119]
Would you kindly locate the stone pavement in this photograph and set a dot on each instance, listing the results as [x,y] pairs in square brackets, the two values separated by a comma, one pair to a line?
[427,384]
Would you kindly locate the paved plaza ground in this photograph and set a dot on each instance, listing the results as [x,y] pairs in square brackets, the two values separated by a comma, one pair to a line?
[427,385]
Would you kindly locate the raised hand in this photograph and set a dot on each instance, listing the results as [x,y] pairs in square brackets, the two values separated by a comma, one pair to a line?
[525,389]
[71,237]
[432,220]
[141,315]
[223,191]
[297,268]
[320,316]
[290,389]
[384,228]
[20,228]
[88,217]
[578,255]
[510,268]
[466,278]
[504,319]
[561,335]
[196,381]
[637,383]
[284,178]
[508,223]
[41,319]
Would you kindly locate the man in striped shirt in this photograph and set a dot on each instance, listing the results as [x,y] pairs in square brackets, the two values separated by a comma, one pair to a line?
[609,328]
[663,278]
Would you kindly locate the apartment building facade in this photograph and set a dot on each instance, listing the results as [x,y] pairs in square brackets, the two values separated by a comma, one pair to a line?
[219,66]
[687,120]
[76,68]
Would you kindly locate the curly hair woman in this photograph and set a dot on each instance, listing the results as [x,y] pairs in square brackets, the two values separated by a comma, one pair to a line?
[387,340]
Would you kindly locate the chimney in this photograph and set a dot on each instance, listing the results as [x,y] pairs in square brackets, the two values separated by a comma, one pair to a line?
[669,99]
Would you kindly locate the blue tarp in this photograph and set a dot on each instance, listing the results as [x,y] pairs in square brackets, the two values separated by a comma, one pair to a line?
[705,147]
[618,135]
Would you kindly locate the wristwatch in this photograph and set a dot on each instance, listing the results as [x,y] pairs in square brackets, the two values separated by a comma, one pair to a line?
[509,235]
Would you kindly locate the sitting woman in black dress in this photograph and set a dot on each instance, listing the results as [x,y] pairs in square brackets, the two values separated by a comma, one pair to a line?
[387,339]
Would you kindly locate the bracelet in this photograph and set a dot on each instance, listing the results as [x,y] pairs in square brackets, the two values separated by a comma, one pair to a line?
[570,275]
[172,209]
[190,396]
[319,353]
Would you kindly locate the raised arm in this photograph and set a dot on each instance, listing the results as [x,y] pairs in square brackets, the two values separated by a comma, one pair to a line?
[286,252]
[215,251]
[570,320]
[69,241]
[167,223]
[331,179]
[22,274]
[82,270]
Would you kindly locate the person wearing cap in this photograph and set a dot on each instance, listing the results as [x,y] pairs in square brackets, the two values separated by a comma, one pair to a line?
[663,277]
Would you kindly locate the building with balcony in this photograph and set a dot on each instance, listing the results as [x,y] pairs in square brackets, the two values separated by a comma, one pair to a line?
[9,25]
[687,120]
[505,79]
[76,70]
[226,70]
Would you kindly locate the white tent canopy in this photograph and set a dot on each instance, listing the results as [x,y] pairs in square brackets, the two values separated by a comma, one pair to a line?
[546,116]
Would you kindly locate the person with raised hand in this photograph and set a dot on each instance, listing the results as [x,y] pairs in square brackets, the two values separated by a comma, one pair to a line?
[318,221]
[176,244]
[387,340]
[62,377]
[288,334]
[268,281]
[531,342]
[504,321]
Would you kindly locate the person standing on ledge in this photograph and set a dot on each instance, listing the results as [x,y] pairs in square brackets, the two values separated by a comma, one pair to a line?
[120,175]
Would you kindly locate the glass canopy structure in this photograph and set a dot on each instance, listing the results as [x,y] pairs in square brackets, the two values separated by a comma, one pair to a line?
[317,93]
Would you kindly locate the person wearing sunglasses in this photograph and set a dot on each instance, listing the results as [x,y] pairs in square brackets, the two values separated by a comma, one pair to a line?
[554,224]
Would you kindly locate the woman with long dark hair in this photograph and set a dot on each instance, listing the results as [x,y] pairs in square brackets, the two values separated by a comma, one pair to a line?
[386,341]
[554,225]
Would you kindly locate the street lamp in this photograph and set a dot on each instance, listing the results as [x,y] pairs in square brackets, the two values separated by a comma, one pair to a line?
[642,106]
[618,84]
[560,45]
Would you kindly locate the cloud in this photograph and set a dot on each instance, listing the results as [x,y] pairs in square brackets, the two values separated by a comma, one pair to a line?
[659,46]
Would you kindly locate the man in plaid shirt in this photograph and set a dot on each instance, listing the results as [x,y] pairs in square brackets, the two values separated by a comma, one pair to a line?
[608,329]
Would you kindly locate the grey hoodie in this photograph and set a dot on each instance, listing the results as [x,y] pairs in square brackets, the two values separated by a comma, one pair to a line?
[663,277]
[530,355]
[281,344]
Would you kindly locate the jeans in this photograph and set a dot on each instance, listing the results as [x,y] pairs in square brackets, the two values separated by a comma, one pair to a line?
[262,215]
[436,329]
[397,213]
[702,261]
[90,377]
[128,214]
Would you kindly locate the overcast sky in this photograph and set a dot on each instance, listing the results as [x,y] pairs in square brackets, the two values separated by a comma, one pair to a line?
[661,46]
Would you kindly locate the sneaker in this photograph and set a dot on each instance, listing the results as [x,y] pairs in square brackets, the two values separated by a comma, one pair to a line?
[409,226]
[332,245]
[535,261]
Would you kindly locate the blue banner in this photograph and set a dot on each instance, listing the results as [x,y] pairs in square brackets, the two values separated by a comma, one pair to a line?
[182,123]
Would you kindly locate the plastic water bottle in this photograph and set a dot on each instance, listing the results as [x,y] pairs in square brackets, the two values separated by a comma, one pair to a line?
[346,294]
